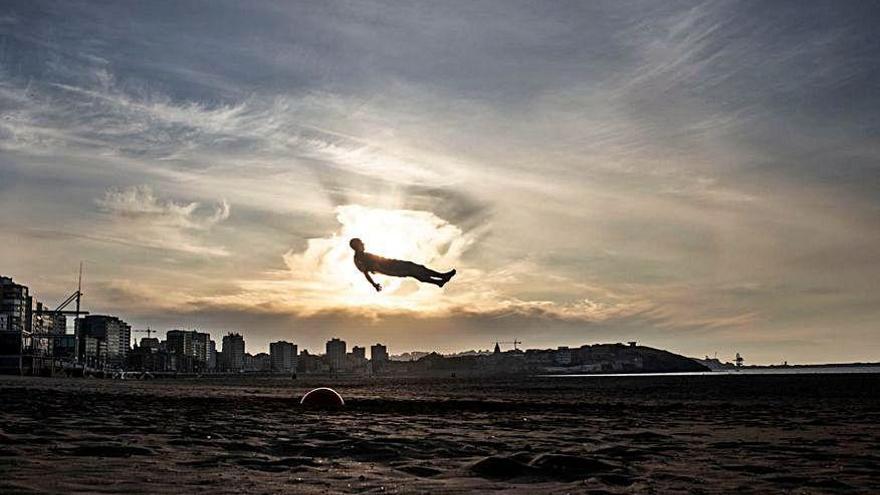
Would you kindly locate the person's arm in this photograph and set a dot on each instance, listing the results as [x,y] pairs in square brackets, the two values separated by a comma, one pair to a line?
[373,283]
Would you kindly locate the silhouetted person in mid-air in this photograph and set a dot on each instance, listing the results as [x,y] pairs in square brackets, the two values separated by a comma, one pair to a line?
[370,263]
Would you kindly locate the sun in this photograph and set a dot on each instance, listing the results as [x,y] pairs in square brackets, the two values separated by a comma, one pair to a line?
[328,278]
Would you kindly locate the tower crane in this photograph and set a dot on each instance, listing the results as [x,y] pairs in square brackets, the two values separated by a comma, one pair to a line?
[149,331]
[76,296]
[515,343]
[59,311]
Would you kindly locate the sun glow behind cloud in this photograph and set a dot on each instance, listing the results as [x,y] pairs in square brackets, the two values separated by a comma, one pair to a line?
[324,276]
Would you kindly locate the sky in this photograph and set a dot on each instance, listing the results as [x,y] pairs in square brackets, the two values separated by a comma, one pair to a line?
[702,177]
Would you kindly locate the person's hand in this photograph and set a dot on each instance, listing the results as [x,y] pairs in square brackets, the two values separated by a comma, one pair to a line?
[377,287]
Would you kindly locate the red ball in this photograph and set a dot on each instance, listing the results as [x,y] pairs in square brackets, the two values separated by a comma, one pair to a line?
[322,398]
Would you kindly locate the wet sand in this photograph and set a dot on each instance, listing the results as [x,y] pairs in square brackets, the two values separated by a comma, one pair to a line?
[693,434]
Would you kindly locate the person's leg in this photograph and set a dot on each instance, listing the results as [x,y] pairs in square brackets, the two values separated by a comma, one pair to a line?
[438,275]
[399,268]
[423,274]
[432,273]
[421,277]
[416,271]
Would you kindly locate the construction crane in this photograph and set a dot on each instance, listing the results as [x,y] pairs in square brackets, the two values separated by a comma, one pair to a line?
[149,331]
[514,342]
[76,296]
[59,311]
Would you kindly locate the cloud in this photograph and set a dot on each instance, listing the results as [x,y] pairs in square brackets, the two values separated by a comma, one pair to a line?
[143,217]
[271,133]
[140,202]
[322,279]
[323,276]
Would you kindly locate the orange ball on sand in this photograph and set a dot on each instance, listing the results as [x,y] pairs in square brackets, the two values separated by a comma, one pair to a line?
[322,398]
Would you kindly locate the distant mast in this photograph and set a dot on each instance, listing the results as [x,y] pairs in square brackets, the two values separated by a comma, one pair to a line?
[79,286]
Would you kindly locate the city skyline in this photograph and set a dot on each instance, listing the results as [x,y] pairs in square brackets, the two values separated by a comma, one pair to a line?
[697,177]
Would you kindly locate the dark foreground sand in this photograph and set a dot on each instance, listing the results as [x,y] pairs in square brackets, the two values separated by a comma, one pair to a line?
[697,434]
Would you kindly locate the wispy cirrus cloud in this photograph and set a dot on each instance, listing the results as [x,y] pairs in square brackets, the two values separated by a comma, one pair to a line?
[273,133]
[141,202]
[140,216]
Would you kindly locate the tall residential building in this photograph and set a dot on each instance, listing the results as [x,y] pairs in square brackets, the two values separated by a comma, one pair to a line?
[15,306]
[211,355]
[191,346]
[233,352]
[357,360]
[179,342]
[59,323]
[200,346]
[283,355]
[336,354]
[378,353]
[110,333]
[42,322]
[15,324]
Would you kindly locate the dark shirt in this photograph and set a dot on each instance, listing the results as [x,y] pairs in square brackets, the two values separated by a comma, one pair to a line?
[368,262]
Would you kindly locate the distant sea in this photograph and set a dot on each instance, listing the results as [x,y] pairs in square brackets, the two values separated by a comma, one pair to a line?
[788,370]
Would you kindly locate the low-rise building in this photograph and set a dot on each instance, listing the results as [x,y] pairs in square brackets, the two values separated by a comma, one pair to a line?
[65,347]
[310,363]
[261,362]
[562,356]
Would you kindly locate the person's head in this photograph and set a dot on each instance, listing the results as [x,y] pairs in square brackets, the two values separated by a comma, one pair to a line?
[356,244]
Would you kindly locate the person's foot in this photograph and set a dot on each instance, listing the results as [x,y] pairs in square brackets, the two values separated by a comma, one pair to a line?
[448,275]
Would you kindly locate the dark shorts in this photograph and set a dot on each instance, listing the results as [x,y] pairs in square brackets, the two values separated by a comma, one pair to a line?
[398,268]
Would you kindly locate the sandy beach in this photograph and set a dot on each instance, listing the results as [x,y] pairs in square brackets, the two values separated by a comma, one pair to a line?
[672,434]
